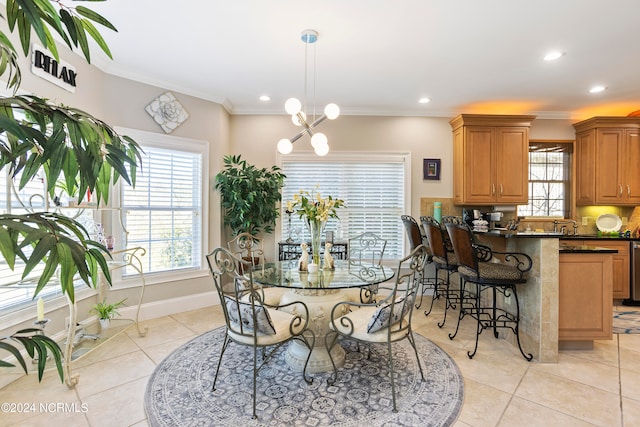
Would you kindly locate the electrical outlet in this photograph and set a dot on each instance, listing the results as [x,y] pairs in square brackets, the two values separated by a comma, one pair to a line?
[585,220]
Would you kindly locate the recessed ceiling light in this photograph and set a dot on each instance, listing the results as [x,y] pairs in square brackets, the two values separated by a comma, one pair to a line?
[552,56]
[424,100]
[597,89]
[265,98]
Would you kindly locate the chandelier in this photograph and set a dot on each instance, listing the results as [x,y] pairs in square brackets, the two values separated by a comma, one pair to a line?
[293,106]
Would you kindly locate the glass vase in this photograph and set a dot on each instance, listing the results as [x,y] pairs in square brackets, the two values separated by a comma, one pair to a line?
[315,229]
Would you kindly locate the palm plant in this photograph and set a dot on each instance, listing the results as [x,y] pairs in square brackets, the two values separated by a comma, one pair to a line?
[69,145]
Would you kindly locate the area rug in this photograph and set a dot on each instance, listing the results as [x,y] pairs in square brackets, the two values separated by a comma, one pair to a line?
[179,391]
[626,322]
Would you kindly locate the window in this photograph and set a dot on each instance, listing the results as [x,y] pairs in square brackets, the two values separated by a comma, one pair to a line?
[164,212]
[549,180]
[372,186]
[15,292]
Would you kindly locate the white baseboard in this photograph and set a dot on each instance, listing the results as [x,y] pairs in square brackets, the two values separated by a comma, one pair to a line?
[153,310]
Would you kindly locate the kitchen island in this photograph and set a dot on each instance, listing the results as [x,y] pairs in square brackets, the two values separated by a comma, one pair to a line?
[540,297]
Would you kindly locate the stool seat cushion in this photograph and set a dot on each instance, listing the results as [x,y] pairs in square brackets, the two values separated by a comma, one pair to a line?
[451,257]
[492,272]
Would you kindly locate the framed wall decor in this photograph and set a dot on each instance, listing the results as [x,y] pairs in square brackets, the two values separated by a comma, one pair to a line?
[431,169]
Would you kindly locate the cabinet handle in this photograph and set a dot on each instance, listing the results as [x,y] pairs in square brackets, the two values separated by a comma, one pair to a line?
[493,189]
[620,190]
[501,189]
[628,190]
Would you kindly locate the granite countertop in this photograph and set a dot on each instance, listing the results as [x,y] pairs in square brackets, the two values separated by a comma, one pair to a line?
[509,234]
[599,237]
[584,249]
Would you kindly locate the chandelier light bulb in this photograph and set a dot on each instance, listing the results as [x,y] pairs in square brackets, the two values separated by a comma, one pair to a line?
[332,111]
[318,139]
[296,121]
[322,150]
[292,106]
[285,146]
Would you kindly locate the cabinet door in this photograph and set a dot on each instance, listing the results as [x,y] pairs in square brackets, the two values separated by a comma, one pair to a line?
[512,165]
[585,168]
[458,166]
[621,266]
[608,153]
[585,310]
[479,184]
[631,162]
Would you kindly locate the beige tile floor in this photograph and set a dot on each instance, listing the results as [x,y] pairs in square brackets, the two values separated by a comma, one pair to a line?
[599,387]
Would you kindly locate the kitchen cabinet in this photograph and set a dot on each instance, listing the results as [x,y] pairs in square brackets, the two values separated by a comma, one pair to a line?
[621,265]
[490,159]
[584,297]
[609,148]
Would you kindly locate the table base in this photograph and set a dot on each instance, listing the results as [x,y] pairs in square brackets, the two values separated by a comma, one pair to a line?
[319,302]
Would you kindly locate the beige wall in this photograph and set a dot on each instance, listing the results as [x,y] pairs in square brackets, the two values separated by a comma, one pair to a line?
[255,137]
[120,102]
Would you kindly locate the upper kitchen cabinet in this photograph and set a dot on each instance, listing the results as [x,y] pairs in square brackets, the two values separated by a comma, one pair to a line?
[490,159]
[608,148]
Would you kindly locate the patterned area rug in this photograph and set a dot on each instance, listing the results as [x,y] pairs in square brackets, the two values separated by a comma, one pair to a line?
[179,391]
[626,322]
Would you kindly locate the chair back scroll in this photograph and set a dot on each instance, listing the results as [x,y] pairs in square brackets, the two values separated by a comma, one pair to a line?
[403,295]
[242,304]
[247,247]
[366,249]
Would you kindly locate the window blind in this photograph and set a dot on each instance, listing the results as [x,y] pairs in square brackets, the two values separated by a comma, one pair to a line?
[373,190]
[163,213]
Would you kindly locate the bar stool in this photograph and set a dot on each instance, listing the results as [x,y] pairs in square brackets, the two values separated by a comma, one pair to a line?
[477,266]
[444,259]
[416,238]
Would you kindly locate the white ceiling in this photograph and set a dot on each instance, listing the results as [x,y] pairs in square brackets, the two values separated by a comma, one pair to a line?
[379,57]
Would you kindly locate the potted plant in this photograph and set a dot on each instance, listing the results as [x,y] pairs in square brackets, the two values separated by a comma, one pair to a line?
[65,143]
[249,196]
[106,312]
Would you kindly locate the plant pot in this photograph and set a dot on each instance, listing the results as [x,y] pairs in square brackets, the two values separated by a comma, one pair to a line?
[105,323]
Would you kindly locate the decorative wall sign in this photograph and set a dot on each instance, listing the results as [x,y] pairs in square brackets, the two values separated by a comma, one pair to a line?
[60,73]
[167,112]
[431,169]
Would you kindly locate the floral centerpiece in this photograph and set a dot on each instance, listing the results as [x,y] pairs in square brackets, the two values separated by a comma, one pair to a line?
[315,210]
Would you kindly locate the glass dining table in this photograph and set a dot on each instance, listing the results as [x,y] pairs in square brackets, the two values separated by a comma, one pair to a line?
[320,291]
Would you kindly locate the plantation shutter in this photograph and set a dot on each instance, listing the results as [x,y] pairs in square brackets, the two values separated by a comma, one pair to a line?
[372,188]
[163,212]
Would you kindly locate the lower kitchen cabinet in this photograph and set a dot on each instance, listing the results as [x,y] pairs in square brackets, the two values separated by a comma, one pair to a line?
[621,266]
[585,294]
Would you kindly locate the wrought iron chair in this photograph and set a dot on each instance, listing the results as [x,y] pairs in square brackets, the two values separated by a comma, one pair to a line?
[491,275]
[365,254]
[252,322]
[249,248]
[416,238]
[384,322]
[444,259]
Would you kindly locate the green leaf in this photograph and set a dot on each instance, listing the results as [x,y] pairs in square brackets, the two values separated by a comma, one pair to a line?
[49,270]
[32,15]
[14,351]
[82,38]
[7,248]
[95,17]
[55,350]
[67,20]
[93,32]
[42,248]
